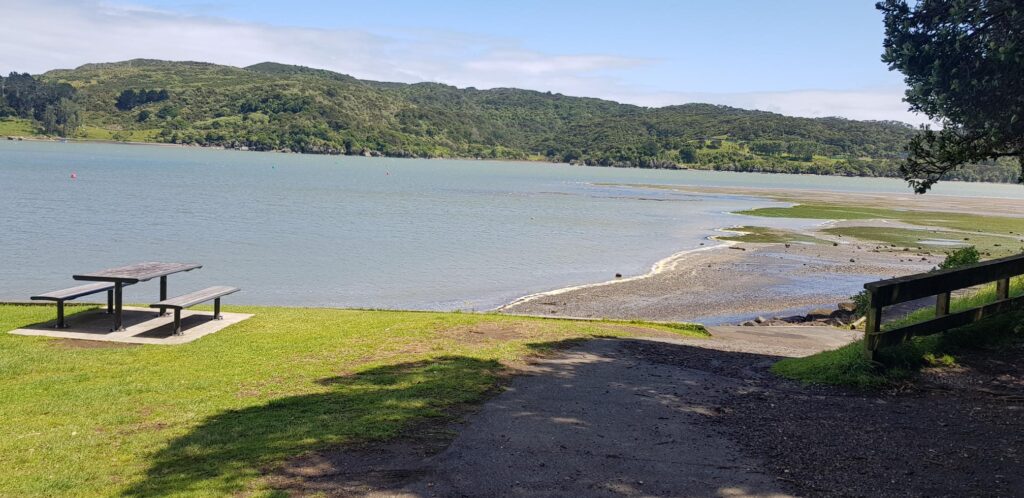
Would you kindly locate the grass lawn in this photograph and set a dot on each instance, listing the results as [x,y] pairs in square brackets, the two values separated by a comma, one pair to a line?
[208,418]
[89,132]
[847,365]
[17,127]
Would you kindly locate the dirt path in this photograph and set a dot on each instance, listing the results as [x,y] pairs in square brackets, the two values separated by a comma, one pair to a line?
[692,417]
[596,420]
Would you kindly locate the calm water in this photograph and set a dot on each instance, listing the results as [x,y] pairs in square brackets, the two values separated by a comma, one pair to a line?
[352,231]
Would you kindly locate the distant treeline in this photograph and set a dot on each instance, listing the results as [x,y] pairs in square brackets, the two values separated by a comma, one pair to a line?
[279,107]
[50,104]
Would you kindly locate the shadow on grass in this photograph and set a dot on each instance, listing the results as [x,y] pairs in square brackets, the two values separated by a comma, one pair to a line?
[228,449]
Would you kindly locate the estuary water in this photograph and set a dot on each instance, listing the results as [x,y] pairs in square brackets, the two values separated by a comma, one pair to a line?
[358,232]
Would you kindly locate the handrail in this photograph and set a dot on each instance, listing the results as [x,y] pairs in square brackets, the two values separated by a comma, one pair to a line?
[910,287]
[940,284]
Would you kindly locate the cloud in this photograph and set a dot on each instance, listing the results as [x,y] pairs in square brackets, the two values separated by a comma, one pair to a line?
[46,34]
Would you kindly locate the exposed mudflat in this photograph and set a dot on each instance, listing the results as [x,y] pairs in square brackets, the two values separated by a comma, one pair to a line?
[730,284]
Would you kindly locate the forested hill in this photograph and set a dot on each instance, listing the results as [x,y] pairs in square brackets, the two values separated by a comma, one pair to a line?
[273,106]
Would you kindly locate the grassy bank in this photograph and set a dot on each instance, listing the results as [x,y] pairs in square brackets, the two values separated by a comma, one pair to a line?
[15,127]
[209,417]
[1000,225]
[994,236]
[766,235]
[847,366]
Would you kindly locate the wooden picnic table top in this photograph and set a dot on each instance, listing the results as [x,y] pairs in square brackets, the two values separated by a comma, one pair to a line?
[137,273]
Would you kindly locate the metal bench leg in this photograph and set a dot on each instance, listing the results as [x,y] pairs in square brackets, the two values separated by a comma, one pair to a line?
[61,324]
[163,293]
[177,321]
[118,307]
[216,309]
[110,302]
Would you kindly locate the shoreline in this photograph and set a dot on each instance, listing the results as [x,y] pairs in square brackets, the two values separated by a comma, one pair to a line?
[659,267]
[461,158]
[722,285]
[758,279]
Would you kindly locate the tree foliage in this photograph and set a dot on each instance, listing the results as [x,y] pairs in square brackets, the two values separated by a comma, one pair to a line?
[129,99]
[963,61]
[48,103]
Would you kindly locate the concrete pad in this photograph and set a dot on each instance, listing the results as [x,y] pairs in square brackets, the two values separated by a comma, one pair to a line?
[809,338]
[142,326]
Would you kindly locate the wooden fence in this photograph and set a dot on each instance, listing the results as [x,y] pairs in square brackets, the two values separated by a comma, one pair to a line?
[939,284]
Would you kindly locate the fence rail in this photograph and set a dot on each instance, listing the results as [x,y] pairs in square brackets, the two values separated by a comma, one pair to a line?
[939,284]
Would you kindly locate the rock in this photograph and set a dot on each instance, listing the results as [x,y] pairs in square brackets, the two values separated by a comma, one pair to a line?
[818,314]
[842,315]
[834,244]
[760,319]
[853,260]
[618,275]
[748,323]
[847,306]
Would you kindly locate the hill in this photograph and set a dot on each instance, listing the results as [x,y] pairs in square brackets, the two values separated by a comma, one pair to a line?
[272,106]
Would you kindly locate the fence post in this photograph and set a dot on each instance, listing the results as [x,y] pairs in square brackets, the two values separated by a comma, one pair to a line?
[871,328]
[1002,289]
[942,304]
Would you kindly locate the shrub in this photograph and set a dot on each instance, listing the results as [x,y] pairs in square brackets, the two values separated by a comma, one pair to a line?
[863,300]
[960,258]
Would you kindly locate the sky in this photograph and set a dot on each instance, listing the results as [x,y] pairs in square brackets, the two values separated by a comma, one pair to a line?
[798,57]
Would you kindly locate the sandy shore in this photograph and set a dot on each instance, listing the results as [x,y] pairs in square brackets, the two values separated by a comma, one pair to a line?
[729,283]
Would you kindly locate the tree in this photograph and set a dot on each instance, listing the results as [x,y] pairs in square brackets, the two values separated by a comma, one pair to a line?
[126,100]
[687,153]
[61,118]
[963,62]
[167,111]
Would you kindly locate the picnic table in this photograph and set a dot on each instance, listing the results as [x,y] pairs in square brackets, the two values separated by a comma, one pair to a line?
[132,274]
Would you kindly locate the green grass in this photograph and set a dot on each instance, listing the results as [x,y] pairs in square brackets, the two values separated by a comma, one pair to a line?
[847,365]
[210,417]
[991,246]
[957,221]
[769,235]
[89,132]
[17,127]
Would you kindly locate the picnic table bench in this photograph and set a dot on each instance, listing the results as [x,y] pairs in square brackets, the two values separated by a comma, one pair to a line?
[59,296]
[113,280]
[132,274]
[193,298]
